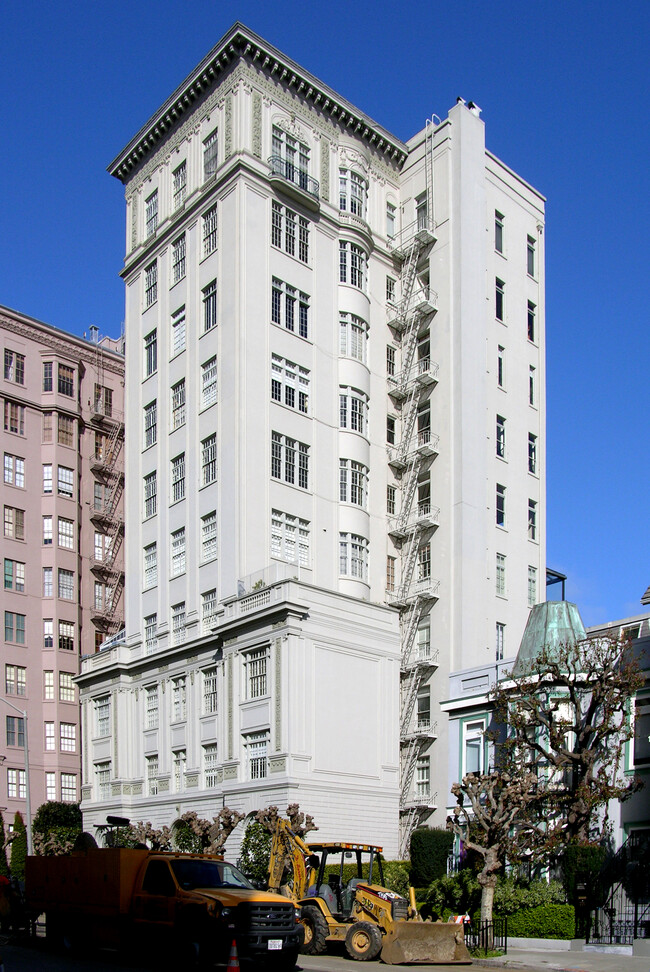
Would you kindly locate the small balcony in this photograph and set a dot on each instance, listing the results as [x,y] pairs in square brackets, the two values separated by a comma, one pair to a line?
[423,589]
[424,801]
[423,517]
[421,657]
[419,233]
[423,729]
[294,182]
[424,443]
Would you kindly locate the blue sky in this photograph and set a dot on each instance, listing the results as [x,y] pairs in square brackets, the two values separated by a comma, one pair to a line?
[564,92]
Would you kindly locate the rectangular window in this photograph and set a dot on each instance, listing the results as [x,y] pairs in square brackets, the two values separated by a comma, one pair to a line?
[178,331]
[16,785]
[66,584]
[209,306]
[424,708]
[353,409]
[530,256]
[423,777]
[15,680]
[256,673]
[150,565]
[210,145]
[531,321]
[352,264]
[151,213]
[14,418]
[151,706]
[179,760]
[178,404]
[68,788]
[178,552]
[209,382]
[283,460]
[353,556]
[48,584]
[390,360]
[150,285]
[15,627]
[391,500]
[48,686]
[151,353]
[65,481]
[178,259]
[532,519]
[209,676]
[290,538]
[500,297]
[289,384]
[179,185]
[498,231]
[66,533]
[210,231]
[390,290]
[209,460]
[103,780]
[179,698]
[353,482]
[150,625]
[178,478]
[210,775]
[150,424]
[390,429]
[66,635]
[65,430]
[532,586]
[390,221]
[14,576]
[150,495]
[152,775]
[50,737]
[14,471]
[50,786]
[474,747]
[531,385]
[283,307]
[283,231]
[390,573]
[68,737]
[501,437]
[47,477]
[209,536]
[424,562]
[501,505]
[15,731]
[257,745]
[501,575]
[66,687]
[501,637]
[102,707]
[532,453]
[47,427]
[501,366]
[66,380]
[14,523]
[208,610]
[48,368]
[178,623]
[103,400]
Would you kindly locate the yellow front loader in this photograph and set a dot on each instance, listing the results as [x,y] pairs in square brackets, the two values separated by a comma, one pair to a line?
[365,915]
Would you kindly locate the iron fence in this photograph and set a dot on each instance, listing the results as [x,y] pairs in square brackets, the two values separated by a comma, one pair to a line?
[488,935]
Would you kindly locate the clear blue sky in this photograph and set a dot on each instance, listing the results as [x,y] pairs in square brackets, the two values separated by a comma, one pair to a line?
[564,92]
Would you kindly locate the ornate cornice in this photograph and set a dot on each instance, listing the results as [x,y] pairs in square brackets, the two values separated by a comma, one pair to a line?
[241,44]
[67,345]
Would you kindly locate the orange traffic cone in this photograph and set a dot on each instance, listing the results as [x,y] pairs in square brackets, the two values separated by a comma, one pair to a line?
[233,961]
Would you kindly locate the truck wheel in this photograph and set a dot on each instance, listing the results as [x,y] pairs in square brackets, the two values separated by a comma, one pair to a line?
[315,931]
[363,941]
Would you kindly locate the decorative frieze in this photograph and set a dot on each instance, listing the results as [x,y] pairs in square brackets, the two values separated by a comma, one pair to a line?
[191,781]
[256,124]
[230,773]
[228,135]
[278,764]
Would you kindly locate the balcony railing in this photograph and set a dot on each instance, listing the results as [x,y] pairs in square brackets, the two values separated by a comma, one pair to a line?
[423,517]
[425,442]
[426,588]
[422,801]
[420,231]
[295,176]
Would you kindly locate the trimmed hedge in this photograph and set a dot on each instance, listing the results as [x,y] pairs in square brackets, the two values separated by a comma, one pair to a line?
[430,848]
[546,921]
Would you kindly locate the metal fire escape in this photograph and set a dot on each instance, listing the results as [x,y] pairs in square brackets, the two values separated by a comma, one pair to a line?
[416,520]
[106,508]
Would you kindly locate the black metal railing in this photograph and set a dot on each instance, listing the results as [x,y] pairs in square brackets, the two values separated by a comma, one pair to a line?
[487,936]
[292,173]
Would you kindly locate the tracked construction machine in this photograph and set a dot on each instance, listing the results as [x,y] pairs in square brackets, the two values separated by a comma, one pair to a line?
[361,911]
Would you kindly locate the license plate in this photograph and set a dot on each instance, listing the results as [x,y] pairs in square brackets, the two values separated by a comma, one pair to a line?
[275,944]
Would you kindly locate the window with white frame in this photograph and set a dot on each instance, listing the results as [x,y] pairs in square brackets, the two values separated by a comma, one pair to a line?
[14,471]
[500,505]
[424,562]
[501,437]
[48,369]
[209,299]
[14,367]
[531,385]
[289,538]
[65,481]
[210,146]
[499,299]
[48,584]
[532,586]
[150,353]
[151,564]
[423,777]
[152,774]
[209,223]
[257,749]
[530,256]
[15,680]
[66,636]
[151,706]
[179,763]
[179,698]
[473,747]
[424,708]
[48,633]
[283,460]
[353,482]
[209,536]
[178,331]
[16,784]
[48,686]
[178,259]
[391,360]
[532,519]
[103,780]
[102,546]
[424,638]
[290,157]
[209,382]
[178,623]
[532,453]
[66,584]
[14,575]
[353,556]
[289,232]
[209,676]
[68,788]
[47,477]
[352,264]
[65,430]
[391,220]
[289,307]
[208,610]
[210,774]
[151,213]
[66,533]
[14,523]
[65,383]
[391,428]
[150,284]
[68,737]
[289,384]
[501,575]
[15,731]
[353,409]
[498,231]
[178,404]
[15,627]
[353,337]
[530,325]
[641,744]
[422,211]
[390,573]
[391,500]
[179,185]
[102,706]
[209,460]
[178,552]
[50,786]
[178,478]
[150,625]
[353,193]
[150,494]
[14,418]
[150,424]
[256,662]
[390,290]
[501,638]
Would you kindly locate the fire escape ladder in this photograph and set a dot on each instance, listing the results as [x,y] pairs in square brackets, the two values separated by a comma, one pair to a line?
[410,627]
[408,492]
[408,562]
[410,753]
[411,684]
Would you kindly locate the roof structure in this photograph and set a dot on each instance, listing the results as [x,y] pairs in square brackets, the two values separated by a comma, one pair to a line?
[551,625]
[646,597]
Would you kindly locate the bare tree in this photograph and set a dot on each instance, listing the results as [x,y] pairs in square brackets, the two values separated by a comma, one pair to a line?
[300,824]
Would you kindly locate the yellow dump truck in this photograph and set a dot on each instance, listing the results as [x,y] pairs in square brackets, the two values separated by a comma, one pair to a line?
[191,905]
[361,912]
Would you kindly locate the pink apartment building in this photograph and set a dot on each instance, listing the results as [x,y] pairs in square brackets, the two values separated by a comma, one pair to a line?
[62,550]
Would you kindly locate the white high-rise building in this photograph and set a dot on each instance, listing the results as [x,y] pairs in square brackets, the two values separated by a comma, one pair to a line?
[334,451]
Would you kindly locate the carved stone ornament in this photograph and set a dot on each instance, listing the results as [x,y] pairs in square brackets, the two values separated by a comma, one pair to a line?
[137,789]
[163,786]
[278,694]
[228,138]
[291,126]
[230,773]
[325,148]
[351,159]
[134,221]
[256,125]
[88,354]
[191,781]
[277,764]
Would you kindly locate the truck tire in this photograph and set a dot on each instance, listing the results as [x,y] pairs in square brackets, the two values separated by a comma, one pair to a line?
[315,930]
[363,941]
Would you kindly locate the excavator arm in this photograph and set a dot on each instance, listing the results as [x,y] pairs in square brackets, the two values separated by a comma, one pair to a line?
[288,848]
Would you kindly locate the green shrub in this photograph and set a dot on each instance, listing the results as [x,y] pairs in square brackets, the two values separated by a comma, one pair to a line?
[255,852]
[396,877]
[510,896]
[546,921]
[56,814]
[453,894]
[18,848]
[430,848]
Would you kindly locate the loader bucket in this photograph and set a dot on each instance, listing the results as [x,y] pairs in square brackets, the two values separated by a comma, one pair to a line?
[425,942]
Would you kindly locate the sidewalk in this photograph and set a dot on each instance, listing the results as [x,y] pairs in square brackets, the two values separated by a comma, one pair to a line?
[542,960]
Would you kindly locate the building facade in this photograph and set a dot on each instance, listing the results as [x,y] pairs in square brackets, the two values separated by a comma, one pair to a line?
[336,422]
[62,400]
